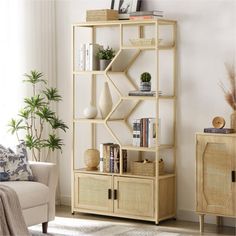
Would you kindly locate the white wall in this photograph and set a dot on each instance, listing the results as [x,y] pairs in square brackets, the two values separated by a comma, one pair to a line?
[206,39]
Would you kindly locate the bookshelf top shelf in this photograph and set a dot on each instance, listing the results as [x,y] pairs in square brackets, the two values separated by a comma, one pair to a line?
[125,22]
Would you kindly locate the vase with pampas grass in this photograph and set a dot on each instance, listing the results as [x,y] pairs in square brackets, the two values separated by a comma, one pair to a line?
[230,93]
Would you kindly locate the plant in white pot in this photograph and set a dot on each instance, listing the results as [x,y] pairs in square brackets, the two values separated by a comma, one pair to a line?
[36,116]
[105,56]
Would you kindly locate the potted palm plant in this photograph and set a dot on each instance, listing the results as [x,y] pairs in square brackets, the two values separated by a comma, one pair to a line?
[37,116]
[145,83]
[105,56]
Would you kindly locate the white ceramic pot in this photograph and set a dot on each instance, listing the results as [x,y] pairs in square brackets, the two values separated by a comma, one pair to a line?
[105,101]
[90,112]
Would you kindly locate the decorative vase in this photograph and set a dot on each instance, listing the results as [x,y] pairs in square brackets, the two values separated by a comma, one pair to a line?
[103,64]
[105,101]
[233,121]
[91,159]
[90,112]
[145,86]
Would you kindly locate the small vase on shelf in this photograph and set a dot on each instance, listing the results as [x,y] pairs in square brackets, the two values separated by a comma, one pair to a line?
[233,121]
[90,112]
[105,101]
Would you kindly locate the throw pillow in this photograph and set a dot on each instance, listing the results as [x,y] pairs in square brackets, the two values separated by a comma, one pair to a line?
[14,166]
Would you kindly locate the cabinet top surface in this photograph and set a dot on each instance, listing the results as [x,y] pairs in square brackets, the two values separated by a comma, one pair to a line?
[216,134]
[125,22]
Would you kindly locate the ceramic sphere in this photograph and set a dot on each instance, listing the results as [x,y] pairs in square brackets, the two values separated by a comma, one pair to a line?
[91,159]
[90,112]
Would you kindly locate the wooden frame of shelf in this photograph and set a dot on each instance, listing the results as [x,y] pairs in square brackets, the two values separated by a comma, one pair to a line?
[162,184]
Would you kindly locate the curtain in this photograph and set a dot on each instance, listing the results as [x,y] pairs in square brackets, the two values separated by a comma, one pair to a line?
[27,42]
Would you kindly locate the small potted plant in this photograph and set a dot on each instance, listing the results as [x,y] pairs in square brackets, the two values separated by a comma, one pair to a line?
[145,83]
[105,56]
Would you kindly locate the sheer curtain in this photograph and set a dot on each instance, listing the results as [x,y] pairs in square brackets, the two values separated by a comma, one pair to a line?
[27,42]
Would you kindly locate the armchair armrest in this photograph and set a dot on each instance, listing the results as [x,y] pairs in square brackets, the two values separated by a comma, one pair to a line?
[46,173]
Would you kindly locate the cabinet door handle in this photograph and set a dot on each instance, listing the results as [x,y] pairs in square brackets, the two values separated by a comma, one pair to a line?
[109,193]
[233,175]
[115,194]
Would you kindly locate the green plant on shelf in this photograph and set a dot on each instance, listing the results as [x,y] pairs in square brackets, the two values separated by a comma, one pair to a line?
[106,54]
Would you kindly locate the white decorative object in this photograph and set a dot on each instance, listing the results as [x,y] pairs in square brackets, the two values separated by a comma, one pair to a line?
[90,112]
[105,101]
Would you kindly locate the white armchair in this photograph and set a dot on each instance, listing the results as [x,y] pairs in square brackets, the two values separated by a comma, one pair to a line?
[37,198]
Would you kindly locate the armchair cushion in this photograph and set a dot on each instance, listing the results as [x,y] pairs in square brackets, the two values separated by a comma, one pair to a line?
[14,166]
[30,194]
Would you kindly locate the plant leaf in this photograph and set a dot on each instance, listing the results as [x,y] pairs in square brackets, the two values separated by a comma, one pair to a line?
[56,123]
[34,102]
[53,142]
[52,94]
[15,125]
[45,113]
[34,77]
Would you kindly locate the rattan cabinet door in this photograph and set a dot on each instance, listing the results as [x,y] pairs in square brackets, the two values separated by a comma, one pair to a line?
[215,158]
[134,197]
[92,192]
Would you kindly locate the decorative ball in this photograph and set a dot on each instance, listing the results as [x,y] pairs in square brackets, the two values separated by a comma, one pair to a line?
[90,112]
[91,159]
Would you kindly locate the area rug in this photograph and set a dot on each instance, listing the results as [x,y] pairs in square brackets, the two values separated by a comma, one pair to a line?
[62,226]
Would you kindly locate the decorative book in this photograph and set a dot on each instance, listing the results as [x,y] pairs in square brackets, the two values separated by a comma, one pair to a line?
[218,130]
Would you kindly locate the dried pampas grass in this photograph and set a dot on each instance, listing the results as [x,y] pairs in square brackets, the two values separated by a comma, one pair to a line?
[230,94]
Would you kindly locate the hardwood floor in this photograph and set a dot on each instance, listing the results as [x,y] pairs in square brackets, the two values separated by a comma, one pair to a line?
[175,226]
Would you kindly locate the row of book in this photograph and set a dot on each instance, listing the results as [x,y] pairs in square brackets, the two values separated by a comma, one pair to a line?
[110,158]
[88,59]
[144,132]
[142,15]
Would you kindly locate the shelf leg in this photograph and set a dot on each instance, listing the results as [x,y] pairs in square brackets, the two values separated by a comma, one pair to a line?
[201,221]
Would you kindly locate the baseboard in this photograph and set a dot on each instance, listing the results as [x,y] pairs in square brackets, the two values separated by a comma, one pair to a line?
[65,200]
[188,215]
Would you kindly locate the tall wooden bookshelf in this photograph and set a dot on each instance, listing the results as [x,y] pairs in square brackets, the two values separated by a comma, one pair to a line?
[122,194]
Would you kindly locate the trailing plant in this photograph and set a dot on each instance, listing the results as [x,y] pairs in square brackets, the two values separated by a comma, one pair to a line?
[36,116]
[230,93]
[145,77]
[106,54]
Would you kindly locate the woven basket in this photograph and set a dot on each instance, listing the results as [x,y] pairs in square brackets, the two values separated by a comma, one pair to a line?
[146,168]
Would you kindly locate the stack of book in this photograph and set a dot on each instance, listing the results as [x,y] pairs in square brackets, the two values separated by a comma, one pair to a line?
[144,132]
[142,15]
[88,59]
[110,158]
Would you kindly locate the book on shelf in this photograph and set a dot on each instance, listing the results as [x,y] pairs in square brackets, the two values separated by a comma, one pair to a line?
[143,93]
[88,59]
[144,132]
[147,13]
[110,158]
[144,17]
[219,130]
[82,57]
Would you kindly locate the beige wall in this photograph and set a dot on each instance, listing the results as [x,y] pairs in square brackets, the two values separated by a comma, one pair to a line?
[207,39]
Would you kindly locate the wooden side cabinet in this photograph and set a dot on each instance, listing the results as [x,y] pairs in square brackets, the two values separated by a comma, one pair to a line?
[216,175]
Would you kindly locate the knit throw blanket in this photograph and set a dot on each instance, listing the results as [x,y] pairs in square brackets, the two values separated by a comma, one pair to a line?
[11,219]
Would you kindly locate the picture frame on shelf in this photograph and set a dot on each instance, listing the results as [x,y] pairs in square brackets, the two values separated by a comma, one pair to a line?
[124,7]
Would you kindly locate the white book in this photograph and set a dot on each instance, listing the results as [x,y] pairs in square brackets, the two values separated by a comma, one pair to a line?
[82,57]
[87,62]
[101,157]
[93,58]
[138,133]
[135,132]
[152,132]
